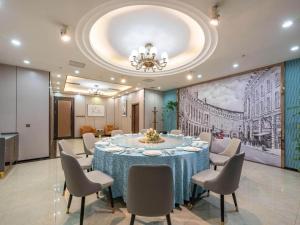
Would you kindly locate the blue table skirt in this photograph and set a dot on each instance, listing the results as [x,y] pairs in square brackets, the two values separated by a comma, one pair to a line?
[183,164]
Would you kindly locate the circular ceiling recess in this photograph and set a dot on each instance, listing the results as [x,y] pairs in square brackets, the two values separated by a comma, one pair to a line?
[108,34]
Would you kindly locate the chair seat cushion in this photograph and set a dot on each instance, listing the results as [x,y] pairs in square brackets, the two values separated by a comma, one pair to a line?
[101,178]
[85,163]
[218,160]
[203,176]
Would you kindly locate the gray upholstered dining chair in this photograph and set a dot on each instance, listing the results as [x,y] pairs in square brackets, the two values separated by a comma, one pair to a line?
[150,191]
[221,159]
[206,136]
[81,184]
[224,183]
[89,141]
[116,132]
[176,132]
[85,163]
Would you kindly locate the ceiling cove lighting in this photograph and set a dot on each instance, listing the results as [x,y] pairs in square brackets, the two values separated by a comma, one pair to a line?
[26,61]
[16,42]
[235,65]
[146,59]
[287,24]
[215,16]
[294,48]
[65,34]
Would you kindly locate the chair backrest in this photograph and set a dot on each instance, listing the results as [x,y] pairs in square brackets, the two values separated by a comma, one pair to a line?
[206,136]
[176,132]
[116,132]
[143,131]
[77,182]
[233,147]
[63,145]
[89,141]
[150,190]
[229,178]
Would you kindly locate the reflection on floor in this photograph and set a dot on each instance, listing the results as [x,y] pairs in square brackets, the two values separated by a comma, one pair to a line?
[31,195]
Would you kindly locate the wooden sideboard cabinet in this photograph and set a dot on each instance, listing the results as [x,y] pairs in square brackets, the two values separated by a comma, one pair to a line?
[9,151]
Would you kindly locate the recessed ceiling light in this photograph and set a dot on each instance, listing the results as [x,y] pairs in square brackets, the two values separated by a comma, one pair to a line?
[57,82]
[127,92]
[77,72]
[58,75]
[16,42]
[112,78]
[294,48]
[214,22]
[65,34]
[123,81]
[57,88]
[158,88]
[26,61]
[287,24]
[189,77]
[235,65]
[137,88]
[199,76]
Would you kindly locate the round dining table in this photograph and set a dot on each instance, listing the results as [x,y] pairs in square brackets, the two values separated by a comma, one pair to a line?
[114,156]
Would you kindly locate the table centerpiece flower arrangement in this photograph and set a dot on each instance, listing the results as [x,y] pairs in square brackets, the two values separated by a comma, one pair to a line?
[151,136]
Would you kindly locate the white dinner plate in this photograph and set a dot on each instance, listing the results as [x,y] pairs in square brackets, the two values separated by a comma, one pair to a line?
[152,152]
[103,143]
[114,149]
[191,149]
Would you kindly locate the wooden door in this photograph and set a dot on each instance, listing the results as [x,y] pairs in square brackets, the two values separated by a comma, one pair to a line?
[63,117]
[135,118]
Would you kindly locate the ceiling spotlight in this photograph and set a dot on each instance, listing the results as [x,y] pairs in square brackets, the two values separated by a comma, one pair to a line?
[158,88]
[57,88]
[287,24]
[65,34]
[189,77]
[112,78]
[123,81]
[137,88]
[215,16]
[199,76]
[16,42]
[57,82]
[77,72]
[235,65]
[26,61]
[294,48]
[58,76]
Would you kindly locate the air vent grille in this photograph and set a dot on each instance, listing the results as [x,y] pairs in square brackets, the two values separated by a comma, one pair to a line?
[76,64]
[148,80]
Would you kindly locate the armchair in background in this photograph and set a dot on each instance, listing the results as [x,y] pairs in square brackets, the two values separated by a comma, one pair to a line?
[108,129]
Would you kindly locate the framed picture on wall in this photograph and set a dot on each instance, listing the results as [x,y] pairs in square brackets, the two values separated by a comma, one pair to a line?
[124,106]
[96,110]
[247,106]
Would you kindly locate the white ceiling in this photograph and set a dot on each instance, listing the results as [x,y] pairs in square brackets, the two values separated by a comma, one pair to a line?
[251,27]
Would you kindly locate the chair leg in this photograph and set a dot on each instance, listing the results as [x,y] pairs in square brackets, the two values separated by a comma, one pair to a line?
[97,194]
[132,219]
[235,202]
[64,190]
[208,193]
[168,219]
[69,203]
[82,210]
[194,194]
[222,209]
[111,199]
[215,167]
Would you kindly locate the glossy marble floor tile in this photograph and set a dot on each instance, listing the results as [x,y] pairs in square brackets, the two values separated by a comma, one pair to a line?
[31,194]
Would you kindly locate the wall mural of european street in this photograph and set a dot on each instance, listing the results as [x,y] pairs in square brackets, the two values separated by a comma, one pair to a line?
[245,106]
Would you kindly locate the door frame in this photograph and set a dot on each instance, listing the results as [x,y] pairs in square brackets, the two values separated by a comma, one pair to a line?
[132,120]
[56,99]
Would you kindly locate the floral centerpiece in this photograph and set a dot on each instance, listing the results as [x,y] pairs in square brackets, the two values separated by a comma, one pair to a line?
[151,136]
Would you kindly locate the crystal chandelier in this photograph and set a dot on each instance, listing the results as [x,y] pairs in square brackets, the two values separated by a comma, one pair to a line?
[147,60]
[95,91]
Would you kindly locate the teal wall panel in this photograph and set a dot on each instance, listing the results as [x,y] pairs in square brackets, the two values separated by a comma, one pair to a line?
[169,118]
[292,98]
